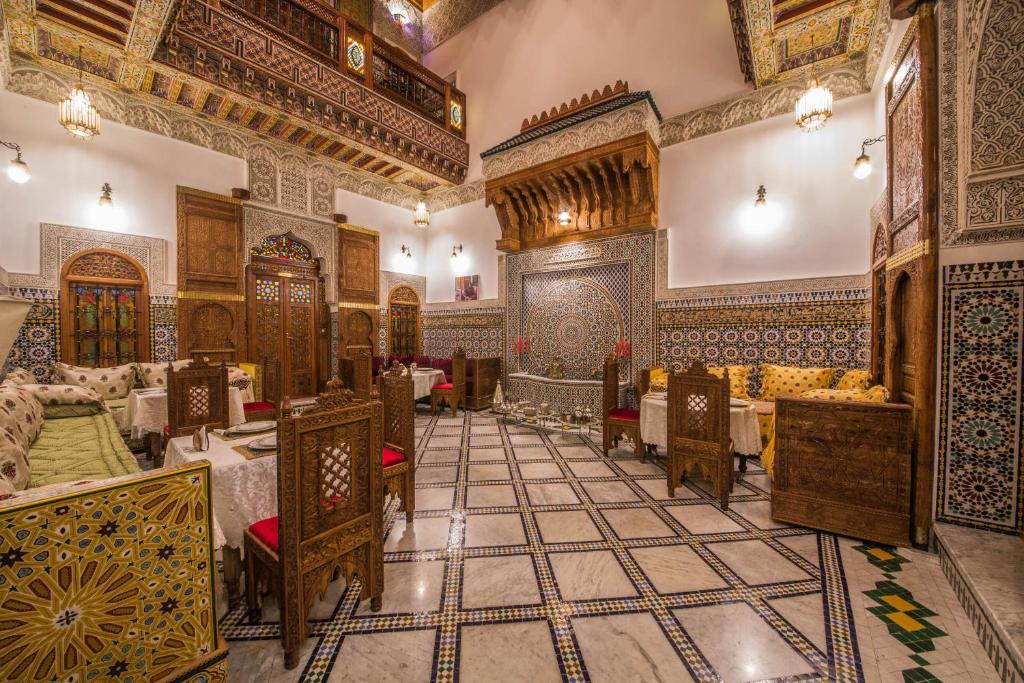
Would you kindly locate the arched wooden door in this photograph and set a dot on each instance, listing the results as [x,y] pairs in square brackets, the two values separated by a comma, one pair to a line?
[104,309]
[283,292]
[403,322]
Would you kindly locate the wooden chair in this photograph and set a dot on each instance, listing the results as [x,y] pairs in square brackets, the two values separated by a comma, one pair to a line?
[698,429]
[330,503]
[261,407]
[356,371]
[453,392]
[398,455]
[618,421]
[197,396]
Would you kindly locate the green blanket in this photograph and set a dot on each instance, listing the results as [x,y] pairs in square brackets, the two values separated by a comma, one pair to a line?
[74,448]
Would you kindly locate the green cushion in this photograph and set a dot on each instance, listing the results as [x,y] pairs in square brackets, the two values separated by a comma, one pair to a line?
[62,410]
[74,448]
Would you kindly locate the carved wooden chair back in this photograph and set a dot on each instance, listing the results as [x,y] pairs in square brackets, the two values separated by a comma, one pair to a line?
[330,504]
[616,420]
[698,428]
[197,396]
[398,397]
[455,391]
[610,385]
[459,371]
[356,371]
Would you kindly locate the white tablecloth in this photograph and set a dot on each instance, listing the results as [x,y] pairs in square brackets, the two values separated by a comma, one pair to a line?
[424,380]
[146,411]
[244,491]
[743,429]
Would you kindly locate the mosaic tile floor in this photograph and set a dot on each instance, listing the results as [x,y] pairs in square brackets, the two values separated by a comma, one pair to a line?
[532,557]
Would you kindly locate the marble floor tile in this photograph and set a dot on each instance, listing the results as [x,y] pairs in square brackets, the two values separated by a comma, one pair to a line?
[758,513]
[499,530]
[739,644]
[551,494]
[567,527]
[581,452]
[444,442]
[806,546]
[676,569]
[532,453]
[436,475]
[703,519]
[563,439]
[409,587]
[262,661]
[540,470]
[590,468]
[496,653]
[525,440]
[489,472]
[434,498]
[486,454]
[609,492]
[499,582]
[479,429]
[627,647]
[590,575]
[636,523]
[634,467]
[409,656]
[804,612]
[434,457]
[425,533]
[500,495]
[756,563]
[484,440]
[658,489]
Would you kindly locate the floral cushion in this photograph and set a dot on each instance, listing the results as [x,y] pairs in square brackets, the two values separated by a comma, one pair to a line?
[19,376]
[876,394]
[21,417]
[155,374]
[854,379]
[784,380]
[658,380]
[14,469]
[113,382]
[738,376]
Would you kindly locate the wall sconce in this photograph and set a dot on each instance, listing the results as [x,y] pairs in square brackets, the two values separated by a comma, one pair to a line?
[106,202]
[399,17]
[456,250]
[862,166]
[421,218]
[407,251]
[564,218]
[761,203]
[17,169]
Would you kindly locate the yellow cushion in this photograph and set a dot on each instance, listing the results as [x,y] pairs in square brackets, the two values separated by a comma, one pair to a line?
[876,394]
[737,378]
[658,380]
[783,380]
[855,379]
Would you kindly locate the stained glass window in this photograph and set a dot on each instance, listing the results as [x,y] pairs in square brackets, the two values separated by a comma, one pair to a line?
[104,325]
[268,290]
[283,247]
[456,115]
[355,55]
[300,293]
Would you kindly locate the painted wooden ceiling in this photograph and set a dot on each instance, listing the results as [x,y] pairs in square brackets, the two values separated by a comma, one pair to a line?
[781,40]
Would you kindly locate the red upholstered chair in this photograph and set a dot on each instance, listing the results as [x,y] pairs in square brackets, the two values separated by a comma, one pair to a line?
[399,460]
[698,429]
[330,500]
[261,408]
[618,421]
[445,366]
[453,392]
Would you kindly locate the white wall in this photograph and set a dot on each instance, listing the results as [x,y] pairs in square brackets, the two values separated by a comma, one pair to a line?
[143,168]
[395,227]
[475,227]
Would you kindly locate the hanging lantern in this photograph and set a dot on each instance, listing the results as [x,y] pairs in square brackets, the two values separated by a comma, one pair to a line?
[814,107]
[422,217]
[76,113]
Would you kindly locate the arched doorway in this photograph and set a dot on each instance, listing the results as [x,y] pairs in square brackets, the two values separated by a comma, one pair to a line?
[403,322]
[283,295]
[104,309]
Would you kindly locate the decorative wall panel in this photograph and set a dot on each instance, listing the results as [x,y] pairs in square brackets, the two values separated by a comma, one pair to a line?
[37,346]
[479,331]
[980,462]
[981,109]
[261,222]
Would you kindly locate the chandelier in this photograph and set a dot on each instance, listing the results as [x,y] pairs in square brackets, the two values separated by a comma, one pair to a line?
[814,107]
[76,113]
[421,218]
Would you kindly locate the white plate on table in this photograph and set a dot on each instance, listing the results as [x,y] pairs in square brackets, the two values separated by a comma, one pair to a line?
[266,443]
[252,427]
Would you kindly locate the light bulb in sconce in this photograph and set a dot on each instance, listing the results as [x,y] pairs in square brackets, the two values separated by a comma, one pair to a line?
[407,251]
[421,217]
[106,202]
[400,18]
[456,250]
[761,203]
[564,218]
[17,169]
[862,166]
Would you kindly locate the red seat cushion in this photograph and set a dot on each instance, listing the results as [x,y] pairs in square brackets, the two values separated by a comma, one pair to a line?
[257,406]
[625,414]
[265,531]
[446,385]
[391,457]
[167,429]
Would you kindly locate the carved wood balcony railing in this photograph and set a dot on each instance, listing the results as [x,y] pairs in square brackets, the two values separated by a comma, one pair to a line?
[323,31]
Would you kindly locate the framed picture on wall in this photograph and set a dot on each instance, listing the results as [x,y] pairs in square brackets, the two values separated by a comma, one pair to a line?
[467,287]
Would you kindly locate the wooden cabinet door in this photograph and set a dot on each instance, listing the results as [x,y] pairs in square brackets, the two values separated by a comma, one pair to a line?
[299,306]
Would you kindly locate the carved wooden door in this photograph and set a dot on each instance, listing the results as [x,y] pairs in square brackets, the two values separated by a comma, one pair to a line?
[358,289]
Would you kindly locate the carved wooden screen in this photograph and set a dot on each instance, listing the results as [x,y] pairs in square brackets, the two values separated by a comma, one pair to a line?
[104,310]
[911,268]
[358,289]
[403,322]
[211,276]
[283,295]
[879,252]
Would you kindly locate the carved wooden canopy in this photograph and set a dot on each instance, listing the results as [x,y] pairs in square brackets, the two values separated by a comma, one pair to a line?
[607,190]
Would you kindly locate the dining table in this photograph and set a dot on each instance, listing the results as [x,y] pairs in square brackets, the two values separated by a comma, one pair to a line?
[243,483]
[146,410]
[743,427]
[425,379]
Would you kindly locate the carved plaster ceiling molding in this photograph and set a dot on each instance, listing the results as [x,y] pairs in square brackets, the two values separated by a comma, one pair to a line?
[58,243]
[764,103]
[852,287]
[456,196]
[447,17]
[981,121]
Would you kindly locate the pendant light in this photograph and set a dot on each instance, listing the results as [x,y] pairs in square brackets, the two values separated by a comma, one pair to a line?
[814,107]
[76,113]
[862,166]
[421,218]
